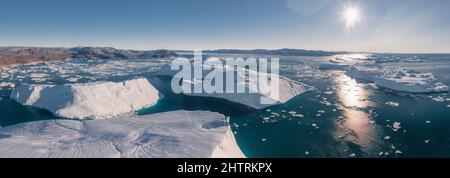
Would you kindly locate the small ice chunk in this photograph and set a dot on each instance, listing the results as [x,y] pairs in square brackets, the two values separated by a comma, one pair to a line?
[398,152]
[307,153]
[263,139]
[328,92]
[393,104]
[352,155]
[428,122]
[439,99]
[427,141]
[396,126]
[387,137]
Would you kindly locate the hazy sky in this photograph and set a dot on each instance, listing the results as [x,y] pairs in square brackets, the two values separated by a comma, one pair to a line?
[385,26]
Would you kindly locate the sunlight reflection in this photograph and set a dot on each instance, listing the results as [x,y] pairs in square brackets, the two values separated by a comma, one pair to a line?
[357,125]
[350,93]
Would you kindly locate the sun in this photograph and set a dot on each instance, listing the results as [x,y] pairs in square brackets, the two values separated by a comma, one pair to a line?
[352,15]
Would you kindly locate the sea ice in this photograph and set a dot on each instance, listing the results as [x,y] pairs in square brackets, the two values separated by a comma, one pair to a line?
[93,100]
[393,104]
[398,79]
[396,126]
[7,85]
[177,134]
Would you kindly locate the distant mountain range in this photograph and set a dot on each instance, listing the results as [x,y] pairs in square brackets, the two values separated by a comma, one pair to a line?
[24,55]
[279,52]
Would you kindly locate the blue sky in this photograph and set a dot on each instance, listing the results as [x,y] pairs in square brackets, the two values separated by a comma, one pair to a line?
[385,26]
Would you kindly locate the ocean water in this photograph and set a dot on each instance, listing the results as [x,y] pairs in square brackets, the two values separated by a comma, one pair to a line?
[341,118]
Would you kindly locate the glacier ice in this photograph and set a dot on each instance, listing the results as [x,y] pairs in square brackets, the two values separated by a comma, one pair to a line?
[177,134]
[396,79]
[96,100]
[287,88]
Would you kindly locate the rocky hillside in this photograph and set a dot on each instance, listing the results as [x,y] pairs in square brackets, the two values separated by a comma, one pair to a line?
[24,55]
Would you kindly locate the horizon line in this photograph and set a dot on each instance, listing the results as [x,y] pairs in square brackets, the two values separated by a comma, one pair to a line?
[216,49]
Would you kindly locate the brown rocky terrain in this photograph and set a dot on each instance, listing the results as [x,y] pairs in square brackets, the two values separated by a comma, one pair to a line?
[25,55]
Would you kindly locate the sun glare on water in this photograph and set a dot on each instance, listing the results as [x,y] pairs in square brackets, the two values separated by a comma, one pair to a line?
[352,15]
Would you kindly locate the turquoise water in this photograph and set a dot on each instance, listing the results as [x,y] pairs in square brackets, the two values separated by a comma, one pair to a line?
[341,118]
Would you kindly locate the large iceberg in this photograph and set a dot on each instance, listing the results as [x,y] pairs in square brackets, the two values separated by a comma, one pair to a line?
[398,79]
[287,88]
[177,134]
[93,100]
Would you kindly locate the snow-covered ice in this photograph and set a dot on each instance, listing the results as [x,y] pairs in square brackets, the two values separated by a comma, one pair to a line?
[179,134]
[288,89]
[96,100]
[398,79]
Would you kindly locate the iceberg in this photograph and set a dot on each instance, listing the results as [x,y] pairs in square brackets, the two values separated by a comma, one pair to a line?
[288,89]
[97,100]
[176,134]
[396,79]
[362,73]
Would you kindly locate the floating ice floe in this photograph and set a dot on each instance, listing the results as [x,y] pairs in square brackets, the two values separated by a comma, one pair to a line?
[396,126]
[7,85]
[177,134]
[393,104]
[288,89]
[93,100]
[397,79]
